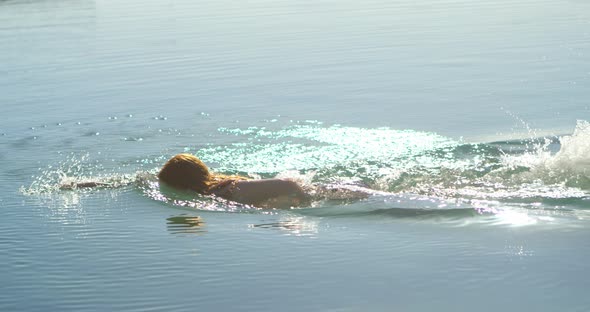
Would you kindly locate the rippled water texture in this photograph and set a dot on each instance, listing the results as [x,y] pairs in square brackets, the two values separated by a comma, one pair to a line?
[466,122]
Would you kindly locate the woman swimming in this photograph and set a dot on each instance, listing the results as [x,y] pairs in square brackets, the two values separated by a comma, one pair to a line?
[185,171]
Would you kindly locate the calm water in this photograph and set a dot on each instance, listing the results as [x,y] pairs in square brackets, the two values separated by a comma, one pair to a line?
[469,120]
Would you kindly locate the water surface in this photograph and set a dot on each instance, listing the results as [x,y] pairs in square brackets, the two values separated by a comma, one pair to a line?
[468,120]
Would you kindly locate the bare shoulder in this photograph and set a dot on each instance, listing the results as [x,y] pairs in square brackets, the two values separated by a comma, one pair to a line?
[258,192]
[278,184]
[268,181]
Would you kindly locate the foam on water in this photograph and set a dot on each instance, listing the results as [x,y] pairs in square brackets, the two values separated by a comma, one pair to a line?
[570,166]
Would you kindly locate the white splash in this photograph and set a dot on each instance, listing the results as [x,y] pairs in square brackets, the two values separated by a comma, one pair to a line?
[574,155]
[570,165]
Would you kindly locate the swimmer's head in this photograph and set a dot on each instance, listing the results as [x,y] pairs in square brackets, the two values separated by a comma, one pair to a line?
[185,171]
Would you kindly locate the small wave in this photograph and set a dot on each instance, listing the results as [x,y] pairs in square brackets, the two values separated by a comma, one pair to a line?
[556,168]
[570,166]
[413,213]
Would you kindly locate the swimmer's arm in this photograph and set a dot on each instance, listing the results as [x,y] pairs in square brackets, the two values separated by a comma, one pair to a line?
[223,188]
[140,178]
[76,185]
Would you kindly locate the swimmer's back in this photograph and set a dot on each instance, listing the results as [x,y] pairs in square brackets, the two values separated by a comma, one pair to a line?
[266,192]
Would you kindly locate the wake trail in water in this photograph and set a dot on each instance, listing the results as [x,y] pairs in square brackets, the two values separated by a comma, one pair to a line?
[456,178]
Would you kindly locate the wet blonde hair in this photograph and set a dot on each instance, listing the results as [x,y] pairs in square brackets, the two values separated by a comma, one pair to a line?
[185,171]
